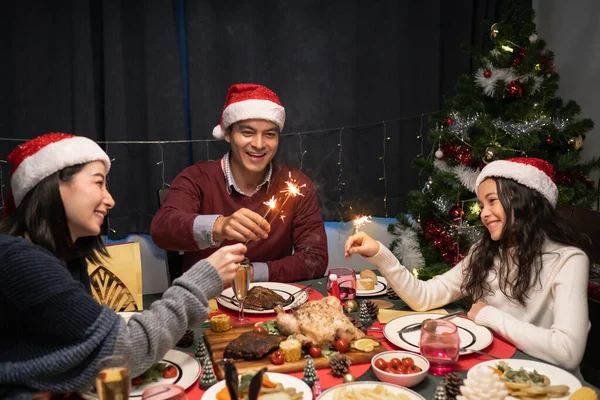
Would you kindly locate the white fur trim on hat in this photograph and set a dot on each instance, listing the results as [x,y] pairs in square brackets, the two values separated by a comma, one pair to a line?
[250,109]
[526,175]
[52,158]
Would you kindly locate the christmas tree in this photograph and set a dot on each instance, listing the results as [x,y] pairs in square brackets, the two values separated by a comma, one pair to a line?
[310,373]
[507,108]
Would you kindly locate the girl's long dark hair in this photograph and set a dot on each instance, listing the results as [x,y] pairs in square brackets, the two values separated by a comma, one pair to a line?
[530,221]
[41,215]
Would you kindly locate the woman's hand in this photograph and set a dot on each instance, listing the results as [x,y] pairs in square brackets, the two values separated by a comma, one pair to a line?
[226,261]
[475,308]
[362,244]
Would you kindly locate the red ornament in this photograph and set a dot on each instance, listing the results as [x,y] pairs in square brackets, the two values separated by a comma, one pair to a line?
[549,140]
[449,121]
[519,57]
[456,213]
[487,73]
[514,89]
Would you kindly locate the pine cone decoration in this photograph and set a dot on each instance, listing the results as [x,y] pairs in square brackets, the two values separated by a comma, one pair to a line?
[452,383]
[372,308]
[340,365]
[186,340]
[391,294]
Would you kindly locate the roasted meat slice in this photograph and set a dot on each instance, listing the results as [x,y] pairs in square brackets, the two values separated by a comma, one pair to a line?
[252,345]
[262,297]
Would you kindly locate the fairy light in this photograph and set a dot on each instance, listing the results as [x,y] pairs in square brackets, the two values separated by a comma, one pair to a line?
[162,165]
[302,153]
[339,179]
[384,178]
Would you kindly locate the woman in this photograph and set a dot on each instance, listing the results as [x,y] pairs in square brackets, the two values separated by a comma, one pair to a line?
[527,276]
[54,332]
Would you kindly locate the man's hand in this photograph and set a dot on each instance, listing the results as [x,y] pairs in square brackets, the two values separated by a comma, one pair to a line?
[243,225]
[475,308]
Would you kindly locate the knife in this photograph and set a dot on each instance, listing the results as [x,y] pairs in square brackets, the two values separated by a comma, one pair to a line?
[419,326]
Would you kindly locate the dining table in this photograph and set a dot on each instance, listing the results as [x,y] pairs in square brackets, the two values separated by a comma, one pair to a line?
[317,289]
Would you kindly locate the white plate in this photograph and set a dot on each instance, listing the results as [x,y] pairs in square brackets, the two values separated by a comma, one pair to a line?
[472,336]
[379,289]
[283,289]
[329,393]
[286,380]
[556,375]
[188,372]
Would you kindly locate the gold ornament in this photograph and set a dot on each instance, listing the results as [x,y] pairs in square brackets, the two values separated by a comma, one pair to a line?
[576,142]
[491,154]
[350,306]
[349,378]
[494,31]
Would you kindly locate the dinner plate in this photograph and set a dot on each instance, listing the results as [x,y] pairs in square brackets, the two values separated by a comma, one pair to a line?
[286,380]
[556,375]
[330,394]
[473,337]
[188,371]
[378,290]
[283,289]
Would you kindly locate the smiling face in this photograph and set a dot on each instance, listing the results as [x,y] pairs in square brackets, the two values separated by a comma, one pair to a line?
[492,215]
[86,200]
[253,143]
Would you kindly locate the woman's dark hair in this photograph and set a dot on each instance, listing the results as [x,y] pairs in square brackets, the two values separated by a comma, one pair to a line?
[530,220]
[41,215]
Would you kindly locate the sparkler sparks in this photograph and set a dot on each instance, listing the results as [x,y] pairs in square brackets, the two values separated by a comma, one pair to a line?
[360,221]
[292,190]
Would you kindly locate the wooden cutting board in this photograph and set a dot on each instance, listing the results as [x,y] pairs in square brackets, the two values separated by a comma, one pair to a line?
[216,343]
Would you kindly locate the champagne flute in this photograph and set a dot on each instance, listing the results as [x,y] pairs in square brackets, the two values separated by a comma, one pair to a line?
[241,284]
[112,380]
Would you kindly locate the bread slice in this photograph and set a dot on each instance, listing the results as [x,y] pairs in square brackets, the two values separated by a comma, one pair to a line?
[367,280]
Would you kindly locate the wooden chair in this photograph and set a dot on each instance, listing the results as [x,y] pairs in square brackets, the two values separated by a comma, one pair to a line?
[173,259]
[117,280]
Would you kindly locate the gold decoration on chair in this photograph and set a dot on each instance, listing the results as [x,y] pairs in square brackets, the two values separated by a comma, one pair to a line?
[108,289]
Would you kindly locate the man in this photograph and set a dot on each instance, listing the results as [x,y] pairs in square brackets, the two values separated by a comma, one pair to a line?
[214,203]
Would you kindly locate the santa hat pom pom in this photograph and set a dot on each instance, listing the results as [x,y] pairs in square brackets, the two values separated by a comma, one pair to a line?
[218,132]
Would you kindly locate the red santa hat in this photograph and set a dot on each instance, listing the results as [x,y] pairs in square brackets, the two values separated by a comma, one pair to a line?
[535,173]
[39,158]
[249,101]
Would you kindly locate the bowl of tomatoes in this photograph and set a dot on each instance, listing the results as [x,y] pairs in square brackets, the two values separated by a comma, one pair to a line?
[401,368]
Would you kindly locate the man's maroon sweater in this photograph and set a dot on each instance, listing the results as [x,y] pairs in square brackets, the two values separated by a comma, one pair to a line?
[201,189]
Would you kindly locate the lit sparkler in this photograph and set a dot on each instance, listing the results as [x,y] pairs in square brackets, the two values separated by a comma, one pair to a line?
[292,190]
[271,204]
[360,221]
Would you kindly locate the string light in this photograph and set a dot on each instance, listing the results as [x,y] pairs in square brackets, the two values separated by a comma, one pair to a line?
[162,165]
[385,139]
[339,180]
[302,153]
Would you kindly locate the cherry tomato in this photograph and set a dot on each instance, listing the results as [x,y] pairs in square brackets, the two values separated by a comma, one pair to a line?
[169,372]
[407,362]
[390,370]
[277,357]
[395,363]
[342,345]
[258,328]
[415,369]
[315,351]
[381,364]
[137,381]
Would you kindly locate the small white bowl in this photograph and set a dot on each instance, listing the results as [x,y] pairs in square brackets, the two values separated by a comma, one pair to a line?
[408,380]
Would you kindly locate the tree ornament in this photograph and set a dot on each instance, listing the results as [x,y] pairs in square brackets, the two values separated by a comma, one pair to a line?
[364,315]
[576,142]
[187,339]
[514,89]
[350,306]
[439,154]
[491,154]
[440,393]
[372,308]
[449,121]
[349,378]
[310,373]
[208,375]
[391,294]
[452,383]
[201,351]
[316,390]
[340,365]
[487,73]
[550,140]
[456,213]
[519,57]
[494,31]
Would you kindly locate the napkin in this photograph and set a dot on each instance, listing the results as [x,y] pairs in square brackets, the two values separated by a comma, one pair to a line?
[385,316]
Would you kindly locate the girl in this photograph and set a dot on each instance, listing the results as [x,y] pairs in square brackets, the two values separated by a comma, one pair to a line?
[54,332]
[527,276]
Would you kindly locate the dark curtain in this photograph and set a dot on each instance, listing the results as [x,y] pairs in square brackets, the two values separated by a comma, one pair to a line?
[154,70]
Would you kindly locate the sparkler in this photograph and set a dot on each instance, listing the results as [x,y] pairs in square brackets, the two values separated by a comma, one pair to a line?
[292,190]
[271,204]
[360,221]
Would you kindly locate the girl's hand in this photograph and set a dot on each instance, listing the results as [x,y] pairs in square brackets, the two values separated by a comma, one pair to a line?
[475,308]
[226,261]
[362,244]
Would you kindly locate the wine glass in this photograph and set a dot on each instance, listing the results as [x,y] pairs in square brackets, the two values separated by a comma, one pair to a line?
[346,279]
[440,344]
[241,284]
[112,380]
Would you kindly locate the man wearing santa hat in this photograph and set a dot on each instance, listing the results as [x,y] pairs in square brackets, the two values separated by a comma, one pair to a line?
[214,203]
